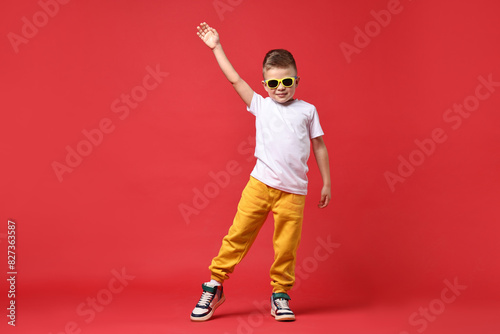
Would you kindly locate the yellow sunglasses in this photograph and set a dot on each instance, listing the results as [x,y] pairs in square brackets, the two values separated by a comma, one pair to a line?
[286,82]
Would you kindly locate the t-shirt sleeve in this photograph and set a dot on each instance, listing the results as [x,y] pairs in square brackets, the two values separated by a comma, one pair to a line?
[315,129]
[256,104]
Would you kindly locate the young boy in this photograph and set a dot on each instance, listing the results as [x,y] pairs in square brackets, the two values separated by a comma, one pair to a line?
[278,183]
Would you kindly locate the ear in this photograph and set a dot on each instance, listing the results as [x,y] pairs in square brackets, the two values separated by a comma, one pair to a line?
[297,81]
[264,83]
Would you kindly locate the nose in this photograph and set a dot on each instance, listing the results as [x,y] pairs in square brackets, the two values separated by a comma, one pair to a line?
[280,86]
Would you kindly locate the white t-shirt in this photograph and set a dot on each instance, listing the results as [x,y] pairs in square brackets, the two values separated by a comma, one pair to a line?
[283,133]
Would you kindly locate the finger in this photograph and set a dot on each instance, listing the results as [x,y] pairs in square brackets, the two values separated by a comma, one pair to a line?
[323,202]
[201,33]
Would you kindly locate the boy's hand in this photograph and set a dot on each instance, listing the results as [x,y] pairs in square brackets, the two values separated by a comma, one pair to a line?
[325,197]
[208,35]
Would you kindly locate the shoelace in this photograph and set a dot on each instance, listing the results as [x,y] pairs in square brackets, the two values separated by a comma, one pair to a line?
[282,303]
[205,299]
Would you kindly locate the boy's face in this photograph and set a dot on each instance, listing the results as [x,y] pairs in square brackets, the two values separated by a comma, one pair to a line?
[280,94]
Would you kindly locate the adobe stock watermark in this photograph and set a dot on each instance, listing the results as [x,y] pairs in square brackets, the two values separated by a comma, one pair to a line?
[203,195]
[93,305]
[322,252]
[373,28]
[454,118]
[222,6]
[30,27]
[218,181]
[424,315]
[122,107]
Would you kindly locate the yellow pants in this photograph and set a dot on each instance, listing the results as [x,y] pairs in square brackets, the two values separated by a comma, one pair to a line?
[257,200]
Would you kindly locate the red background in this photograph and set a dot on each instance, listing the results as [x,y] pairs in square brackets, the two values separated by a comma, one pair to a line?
[121,206]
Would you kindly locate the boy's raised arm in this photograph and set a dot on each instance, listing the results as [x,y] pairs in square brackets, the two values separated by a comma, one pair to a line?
[211,38]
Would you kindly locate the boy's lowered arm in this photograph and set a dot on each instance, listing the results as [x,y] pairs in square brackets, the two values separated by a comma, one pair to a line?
[211,38]
[321,155]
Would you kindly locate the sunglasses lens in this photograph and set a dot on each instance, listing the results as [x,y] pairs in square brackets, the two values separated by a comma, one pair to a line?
[287,82]
[273,83]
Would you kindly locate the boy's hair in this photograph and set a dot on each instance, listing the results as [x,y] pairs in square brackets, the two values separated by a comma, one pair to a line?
[278,58]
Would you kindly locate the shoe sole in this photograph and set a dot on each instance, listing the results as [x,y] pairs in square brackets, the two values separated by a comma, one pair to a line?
[282,317]
[209,315]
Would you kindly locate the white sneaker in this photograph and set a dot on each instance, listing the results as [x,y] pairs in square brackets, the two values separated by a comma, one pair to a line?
[211,298]
[280,309]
